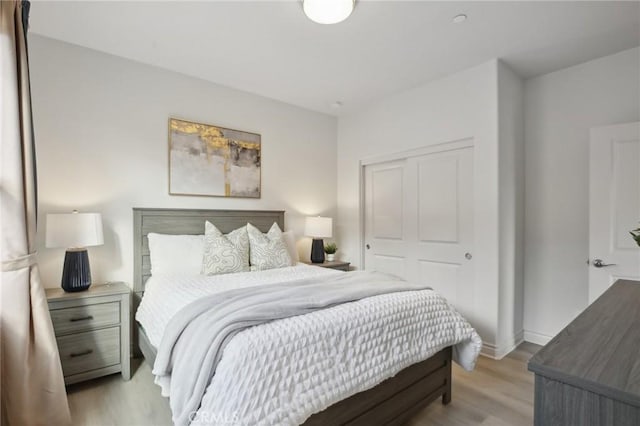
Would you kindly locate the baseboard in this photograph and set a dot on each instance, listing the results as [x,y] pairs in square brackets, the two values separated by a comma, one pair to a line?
[500,351]
[537,338]
[488,350]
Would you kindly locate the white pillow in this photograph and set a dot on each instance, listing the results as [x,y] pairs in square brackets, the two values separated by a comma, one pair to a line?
[267,251]
[290,241]
[175,254]
[224,254]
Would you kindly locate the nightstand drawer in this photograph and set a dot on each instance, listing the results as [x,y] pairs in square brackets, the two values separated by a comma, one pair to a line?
[82,318]
[91,350]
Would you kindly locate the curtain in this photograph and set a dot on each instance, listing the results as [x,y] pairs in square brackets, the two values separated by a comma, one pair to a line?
[31,382]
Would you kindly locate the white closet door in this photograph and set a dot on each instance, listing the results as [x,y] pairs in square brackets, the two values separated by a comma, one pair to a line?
[419,221]
[385,218]
[444,233]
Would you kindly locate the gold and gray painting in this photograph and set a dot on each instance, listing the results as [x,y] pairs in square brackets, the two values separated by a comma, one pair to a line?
[210,160]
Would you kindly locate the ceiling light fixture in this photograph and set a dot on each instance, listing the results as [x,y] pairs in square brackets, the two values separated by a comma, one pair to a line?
[458,19]
[328,11]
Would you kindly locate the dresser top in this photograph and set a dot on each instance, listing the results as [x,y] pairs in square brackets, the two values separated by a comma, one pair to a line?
[108,289]
[600,349]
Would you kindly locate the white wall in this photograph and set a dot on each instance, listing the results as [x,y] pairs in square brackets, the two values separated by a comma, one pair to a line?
[102,145]
[560,108]
[511,175]
[463,105]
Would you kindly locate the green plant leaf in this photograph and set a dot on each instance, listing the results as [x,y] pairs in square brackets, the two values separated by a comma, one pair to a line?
[330,248]
[635,234]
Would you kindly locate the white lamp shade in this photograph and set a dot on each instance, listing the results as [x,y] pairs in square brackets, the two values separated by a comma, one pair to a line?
[318,227]
[327,11]
[74,230]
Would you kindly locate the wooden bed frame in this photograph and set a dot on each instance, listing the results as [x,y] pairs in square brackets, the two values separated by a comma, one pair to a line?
[392,402]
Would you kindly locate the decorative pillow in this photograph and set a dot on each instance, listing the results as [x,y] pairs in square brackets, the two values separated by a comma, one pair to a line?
[290,241]
[268,251]
[175,254]
[224,254]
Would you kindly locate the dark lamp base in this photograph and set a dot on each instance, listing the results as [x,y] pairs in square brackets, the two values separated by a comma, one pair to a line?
[317,251]
[76,274]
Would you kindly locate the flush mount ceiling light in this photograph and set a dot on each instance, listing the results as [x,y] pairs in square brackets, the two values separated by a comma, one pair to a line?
[327,11]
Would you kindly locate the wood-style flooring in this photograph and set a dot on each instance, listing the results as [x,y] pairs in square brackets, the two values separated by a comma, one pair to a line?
[496,393]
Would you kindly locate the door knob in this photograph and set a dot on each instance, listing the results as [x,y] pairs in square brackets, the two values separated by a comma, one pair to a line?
[468,256]
[368,246]
[598,263]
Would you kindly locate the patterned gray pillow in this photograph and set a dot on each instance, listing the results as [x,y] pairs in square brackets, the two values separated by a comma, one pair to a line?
[267,251]
[224,254]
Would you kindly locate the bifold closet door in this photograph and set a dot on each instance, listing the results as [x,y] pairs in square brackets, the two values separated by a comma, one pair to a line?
[419,221]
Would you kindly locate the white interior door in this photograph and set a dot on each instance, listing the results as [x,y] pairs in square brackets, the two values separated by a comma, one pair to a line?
[614,205]
[419,221]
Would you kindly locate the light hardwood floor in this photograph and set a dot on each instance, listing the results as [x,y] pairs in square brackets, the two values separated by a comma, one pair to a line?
[496,393]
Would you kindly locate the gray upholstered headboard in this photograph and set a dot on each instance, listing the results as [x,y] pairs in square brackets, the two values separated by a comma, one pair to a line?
[187,221]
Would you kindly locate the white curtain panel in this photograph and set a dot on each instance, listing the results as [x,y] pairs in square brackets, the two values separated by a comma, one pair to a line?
[32,387]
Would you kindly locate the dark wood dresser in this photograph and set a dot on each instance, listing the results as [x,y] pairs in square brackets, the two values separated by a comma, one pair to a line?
[589,374]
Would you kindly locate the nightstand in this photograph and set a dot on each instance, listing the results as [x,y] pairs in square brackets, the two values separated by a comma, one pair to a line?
[341,266]
[92,330]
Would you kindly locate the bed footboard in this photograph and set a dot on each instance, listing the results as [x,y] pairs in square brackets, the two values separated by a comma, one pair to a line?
[397,399]
[392,402]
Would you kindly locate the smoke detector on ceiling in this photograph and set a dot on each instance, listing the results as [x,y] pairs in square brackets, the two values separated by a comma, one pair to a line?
[458,19]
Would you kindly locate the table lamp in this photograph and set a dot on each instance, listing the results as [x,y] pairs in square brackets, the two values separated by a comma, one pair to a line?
[318,228]
[75,232]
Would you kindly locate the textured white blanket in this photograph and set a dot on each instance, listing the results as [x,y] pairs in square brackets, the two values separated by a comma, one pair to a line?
[282,372]
[165,294]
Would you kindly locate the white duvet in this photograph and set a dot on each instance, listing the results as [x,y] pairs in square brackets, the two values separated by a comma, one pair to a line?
[280,373]
[166,294]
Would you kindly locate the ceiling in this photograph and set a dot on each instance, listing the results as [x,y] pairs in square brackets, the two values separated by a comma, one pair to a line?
[272,49]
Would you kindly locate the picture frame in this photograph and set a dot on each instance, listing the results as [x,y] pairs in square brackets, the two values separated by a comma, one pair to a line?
[214,161]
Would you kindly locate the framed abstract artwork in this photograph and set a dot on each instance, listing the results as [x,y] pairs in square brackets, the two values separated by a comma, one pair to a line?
[213,161]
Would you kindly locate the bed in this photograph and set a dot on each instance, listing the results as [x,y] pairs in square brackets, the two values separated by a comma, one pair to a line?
[392,401]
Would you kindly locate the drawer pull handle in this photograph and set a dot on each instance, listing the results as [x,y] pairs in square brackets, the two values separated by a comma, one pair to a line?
[83,353]
[88,317]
